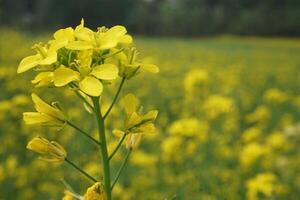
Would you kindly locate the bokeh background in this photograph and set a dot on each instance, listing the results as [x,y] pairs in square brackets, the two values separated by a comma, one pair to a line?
[228,94]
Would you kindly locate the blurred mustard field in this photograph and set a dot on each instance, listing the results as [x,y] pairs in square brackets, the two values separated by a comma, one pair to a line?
[228,124]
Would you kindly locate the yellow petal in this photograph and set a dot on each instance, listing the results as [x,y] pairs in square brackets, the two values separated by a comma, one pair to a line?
[117,31]
[79,45]
[126,39]
[38,145]
[43,107]
[150,68]
[64,75]
[151,115]
[105,71]
[29,63]
[50,59]
[43,79]
[66,34]
[133,120]
[130,103]
[91,86]
[108,42]
[37,118]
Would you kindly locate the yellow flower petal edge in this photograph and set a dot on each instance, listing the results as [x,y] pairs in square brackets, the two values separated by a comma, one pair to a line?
[105,71]
[91,86]
[64,75]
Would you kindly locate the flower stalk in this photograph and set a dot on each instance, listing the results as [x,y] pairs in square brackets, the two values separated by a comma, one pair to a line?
[103,147]
[121,168]
[80,170]
[115,98]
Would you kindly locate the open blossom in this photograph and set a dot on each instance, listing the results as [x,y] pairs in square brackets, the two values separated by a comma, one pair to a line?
[84,59]
[136,122]
[49,151]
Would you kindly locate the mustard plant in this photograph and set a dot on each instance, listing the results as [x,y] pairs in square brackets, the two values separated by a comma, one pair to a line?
[85,61]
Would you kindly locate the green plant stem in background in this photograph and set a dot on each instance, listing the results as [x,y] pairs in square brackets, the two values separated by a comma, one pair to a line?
[80,170]
[115,98]
[83,132]
[121,168]
[118,146]
[103,147]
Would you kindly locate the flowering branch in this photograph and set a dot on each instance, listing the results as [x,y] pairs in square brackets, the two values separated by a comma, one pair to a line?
[121,168]
[80,170]
[115,98]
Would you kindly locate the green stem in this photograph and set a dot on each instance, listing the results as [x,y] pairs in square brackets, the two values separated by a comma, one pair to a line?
[117,147]
[80,170]
[83,132]
[84,100]
[115,98]
[121,168]
[103,147]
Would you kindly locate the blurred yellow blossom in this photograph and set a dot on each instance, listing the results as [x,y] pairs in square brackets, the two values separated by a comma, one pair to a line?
[261,114]
[275,95]
[264,183]
[251,152]
[190,127]
[216,105]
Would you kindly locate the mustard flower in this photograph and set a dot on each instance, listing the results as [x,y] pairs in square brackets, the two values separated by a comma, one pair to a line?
[46,114]
[103,39]
[128,62]
[46,55]
[50,151]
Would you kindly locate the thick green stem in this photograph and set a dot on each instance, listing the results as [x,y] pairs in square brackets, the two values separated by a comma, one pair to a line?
[103,148]
[115,98]
[80,170]
[83,132]
[121,168]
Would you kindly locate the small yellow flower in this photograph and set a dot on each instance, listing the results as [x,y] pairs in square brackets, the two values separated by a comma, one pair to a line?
[95,192]
[87,76]
[136,123]
[45,56]
[50,151]
[86,39]
[129,65]
[46,114]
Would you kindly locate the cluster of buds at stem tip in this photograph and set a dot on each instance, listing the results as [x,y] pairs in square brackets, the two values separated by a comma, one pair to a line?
[136,123]
[46,114]
[49,150]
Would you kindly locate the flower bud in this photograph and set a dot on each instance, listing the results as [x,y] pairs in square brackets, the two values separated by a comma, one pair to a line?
[50,151]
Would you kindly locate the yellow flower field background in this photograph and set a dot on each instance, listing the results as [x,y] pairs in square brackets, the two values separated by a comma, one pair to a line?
[228,124]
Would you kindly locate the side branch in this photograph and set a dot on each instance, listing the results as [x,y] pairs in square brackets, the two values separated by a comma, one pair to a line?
[115,98]
[84,133]
[121,168]
[118,146]
[80,170]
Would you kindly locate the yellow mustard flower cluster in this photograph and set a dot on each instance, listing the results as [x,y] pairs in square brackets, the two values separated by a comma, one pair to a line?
[136,123]
[85,59]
